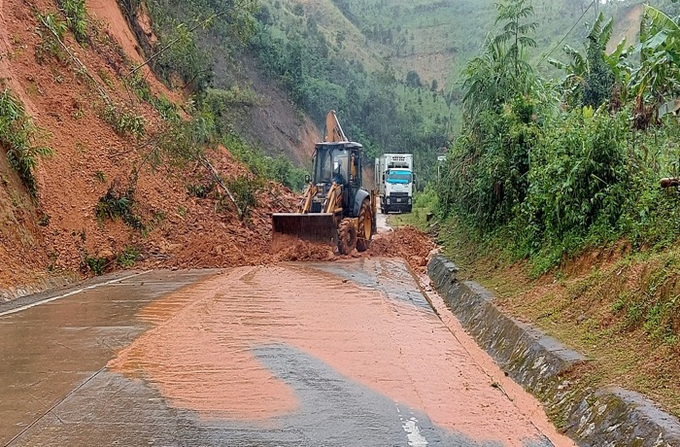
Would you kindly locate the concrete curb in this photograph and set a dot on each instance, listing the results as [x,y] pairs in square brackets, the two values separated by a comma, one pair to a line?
[607,417]
[40,285]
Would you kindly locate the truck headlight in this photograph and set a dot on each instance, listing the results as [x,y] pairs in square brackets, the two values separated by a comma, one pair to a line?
[388,200]
[409,200]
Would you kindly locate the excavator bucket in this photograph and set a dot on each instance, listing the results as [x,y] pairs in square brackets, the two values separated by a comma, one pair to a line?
[315,227]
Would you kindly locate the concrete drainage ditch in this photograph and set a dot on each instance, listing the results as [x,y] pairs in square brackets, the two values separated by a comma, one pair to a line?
[539,363]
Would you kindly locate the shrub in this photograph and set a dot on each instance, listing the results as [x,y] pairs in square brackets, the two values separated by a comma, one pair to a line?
[200,190]
[51,28]
[279,169]
[115,204]
[129,256]
[76,18]
[578,178]
[245,190]
[184,141]
[486,179]
[124,122]
[17,133]
[96,265]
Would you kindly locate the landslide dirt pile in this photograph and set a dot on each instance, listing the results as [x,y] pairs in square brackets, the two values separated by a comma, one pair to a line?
[102,131]
[286,248]
[407,242]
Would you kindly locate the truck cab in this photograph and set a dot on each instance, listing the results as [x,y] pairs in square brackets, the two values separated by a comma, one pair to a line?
[395,181]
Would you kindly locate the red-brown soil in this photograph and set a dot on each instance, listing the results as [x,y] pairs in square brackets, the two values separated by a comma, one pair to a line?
[61,230]
[406,242]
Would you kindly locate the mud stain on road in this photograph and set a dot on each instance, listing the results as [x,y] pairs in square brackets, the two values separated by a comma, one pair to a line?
[201,353]
[201,361]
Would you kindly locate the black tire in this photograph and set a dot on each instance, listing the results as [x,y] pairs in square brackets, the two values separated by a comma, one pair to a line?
[364,226]
[347,237]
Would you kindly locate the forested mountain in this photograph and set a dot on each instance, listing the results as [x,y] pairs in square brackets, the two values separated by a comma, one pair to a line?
[392,69]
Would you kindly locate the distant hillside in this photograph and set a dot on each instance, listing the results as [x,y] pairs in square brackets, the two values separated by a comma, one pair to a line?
[436,38]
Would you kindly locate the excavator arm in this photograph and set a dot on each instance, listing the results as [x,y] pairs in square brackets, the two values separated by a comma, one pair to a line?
[334,132]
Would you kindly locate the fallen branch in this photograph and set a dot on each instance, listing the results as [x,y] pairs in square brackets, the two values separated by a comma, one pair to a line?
[82,66]
[219,181]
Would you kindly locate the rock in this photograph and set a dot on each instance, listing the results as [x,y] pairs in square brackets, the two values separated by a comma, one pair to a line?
[106,254]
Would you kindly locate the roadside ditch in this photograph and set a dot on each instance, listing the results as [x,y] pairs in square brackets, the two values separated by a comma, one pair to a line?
[547,369]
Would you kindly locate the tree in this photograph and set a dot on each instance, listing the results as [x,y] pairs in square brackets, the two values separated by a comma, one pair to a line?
[515,31]
[599,81]
[591,78]
[501,71]
[413,79]
[490,160]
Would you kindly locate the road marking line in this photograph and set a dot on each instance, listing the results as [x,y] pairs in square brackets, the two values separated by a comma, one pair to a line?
[415,439]
[73,292]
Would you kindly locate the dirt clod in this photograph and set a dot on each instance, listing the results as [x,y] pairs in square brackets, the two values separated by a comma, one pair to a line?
[408,242]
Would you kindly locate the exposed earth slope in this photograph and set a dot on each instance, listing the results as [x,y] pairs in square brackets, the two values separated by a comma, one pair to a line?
[60,232]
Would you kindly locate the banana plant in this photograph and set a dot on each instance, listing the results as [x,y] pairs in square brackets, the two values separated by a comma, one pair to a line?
[576,71]
[595,77]
[657,79]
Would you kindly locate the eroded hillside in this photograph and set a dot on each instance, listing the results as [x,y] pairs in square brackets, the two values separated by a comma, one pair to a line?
[122,184]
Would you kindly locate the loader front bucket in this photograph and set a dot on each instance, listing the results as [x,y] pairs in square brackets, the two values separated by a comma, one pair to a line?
[315,227]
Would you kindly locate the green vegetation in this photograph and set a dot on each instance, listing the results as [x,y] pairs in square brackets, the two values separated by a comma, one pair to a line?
[129,256]
[200,190]
[424,206]
[245,190]
[179,27]
[17,137]
[181,58]
[377,108]
[115,204]
[279,169]
[96,265]
[51,30]
[76,18]
[125,122]
[545,173]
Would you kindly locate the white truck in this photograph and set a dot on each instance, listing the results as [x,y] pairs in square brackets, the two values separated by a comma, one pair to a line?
[394,182]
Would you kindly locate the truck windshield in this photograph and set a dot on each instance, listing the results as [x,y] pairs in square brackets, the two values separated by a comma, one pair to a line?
[399,177]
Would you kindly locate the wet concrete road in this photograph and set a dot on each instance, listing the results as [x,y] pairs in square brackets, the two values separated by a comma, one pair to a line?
[345,353]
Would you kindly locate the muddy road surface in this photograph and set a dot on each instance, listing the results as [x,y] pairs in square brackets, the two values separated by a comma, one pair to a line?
[345,353]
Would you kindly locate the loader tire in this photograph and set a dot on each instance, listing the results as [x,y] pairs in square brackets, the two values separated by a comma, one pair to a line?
[347,237]
[364,226]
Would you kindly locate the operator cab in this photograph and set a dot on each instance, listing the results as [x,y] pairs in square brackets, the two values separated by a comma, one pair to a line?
[336,162]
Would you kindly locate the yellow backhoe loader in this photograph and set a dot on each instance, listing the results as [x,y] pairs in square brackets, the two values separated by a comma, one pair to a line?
[335,208]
